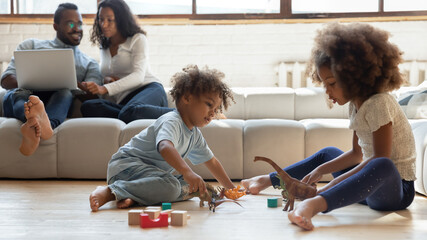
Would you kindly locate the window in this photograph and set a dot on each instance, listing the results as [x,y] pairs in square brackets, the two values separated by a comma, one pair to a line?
[333,6]
[407,5]
[229,9]
[156,7]
[4,6]
[237,6]
[49,6]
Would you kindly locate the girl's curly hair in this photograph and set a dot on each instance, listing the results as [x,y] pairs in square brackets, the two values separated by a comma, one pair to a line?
[360,56]
[197,82]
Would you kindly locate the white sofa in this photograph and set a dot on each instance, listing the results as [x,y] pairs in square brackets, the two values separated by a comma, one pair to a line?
[283,124]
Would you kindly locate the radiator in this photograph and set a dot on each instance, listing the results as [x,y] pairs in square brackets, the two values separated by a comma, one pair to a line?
[292,74]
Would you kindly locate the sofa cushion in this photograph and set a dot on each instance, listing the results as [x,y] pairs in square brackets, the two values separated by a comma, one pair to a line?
[312,103]
[321,133]
[237,110]
[224,138]
[132,129]
[85,146]
[42,164]
[278,139]
[269,103]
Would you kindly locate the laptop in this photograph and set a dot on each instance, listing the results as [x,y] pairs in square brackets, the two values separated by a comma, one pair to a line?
[46,69]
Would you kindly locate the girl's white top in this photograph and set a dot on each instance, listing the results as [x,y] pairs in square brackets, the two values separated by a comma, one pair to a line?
[130,64]
[377,111]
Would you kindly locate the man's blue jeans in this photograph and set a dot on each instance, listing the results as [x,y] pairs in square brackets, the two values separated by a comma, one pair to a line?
[56,103]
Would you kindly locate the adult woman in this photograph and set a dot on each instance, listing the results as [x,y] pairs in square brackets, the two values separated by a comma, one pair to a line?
[130,90]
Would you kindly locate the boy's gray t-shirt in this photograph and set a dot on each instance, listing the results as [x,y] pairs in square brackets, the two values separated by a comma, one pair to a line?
[142,148]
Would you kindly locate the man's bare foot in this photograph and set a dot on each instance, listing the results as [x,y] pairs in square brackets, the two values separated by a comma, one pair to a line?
[256,184]
[34,108]
[30,137]
[100,196]
[306,210]
[125,203]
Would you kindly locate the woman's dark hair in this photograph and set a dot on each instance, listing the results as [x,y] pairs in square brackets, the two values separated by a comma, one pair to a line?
[197,82]
[125,22]
[61,8]
[361,58]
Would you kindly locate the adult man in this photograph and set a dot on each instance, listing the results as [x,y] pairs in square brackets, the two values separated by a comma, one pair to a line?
[43,111]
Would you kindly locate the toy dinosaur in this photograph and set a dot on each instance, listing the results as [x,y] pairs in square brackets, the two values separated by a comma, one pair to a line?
[213,197]
[292,187]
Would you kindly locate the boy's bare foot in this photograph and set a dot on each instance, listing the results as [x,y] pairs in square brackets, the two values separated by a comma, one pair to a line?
[125,203]
[34,108]
[256,184]
[306,210]
[100,196]
[30,137]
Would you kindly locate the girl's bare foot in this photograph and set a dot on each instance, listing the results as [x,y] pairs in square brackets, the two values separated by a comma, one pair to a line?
[306,210]
[100,196]
[256,184]
[30,137]
[34,108]
[125,203]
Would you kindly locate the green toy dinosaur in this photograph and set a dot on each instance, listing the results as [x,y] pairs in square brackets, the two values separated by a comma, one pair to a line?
[285,193]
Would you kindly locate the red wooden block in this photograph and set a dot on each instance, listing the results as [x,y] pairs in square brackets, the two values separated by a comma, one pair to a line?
[146,222]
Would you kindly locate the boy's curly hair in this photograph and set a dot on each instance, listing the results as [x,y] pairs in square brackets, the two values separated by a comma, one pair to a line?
[360,56]
[197,82]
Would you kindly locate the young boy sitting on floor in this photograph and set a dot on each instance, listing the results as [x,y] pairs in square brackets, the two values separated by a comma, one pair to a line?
[142,171]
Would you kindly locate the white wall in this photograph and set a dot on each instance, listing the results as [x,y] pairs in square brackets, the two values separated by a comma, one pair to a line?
[247,54]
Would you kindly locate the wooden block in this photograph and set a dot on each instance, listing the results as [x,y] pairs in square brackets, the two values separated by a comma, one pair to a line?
[133,216]
[146,222]
[179,218]
[153,208]
[166,206]
[279,202]
[272,202]
[168,211]
[152,213]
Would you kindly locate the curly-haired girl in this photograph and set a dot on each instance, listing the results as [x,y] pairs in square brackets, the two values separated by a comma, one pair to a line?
[357,65]
[141,171]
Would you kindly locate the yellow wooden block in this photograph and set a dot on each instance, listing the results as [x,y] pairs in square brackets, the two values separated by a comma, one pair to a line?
[133,216]
[168,211]
[179,218]
[153,208]
[152,213]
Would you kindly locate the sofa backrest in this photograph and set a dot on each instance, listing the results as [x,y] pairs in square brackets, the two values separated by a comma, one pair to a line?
[283,103]
[261,103]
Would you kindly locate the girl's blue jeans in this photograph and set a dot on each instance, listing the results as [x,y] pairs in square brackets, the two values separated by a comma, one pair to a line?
[377,185]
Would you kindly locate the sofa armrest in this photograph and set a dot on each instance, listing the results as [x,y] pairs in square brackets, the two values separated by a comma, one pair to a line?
[2,93]
[419,128]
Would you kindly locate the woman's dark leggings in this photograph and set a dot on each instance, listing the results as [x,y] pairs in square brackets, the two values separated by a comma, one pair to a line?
[377,185]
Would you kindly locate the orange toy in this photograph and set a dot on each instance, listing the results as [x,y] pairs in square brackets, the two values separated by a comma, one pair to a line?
[234,193]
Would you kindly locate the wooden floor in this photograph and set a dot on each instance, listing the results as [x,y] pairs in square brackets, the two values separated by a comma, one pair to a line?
[60,210]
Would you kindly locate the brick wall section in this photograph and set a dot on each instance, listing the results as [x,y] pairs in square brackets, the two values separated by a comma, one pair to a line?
[247,54]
